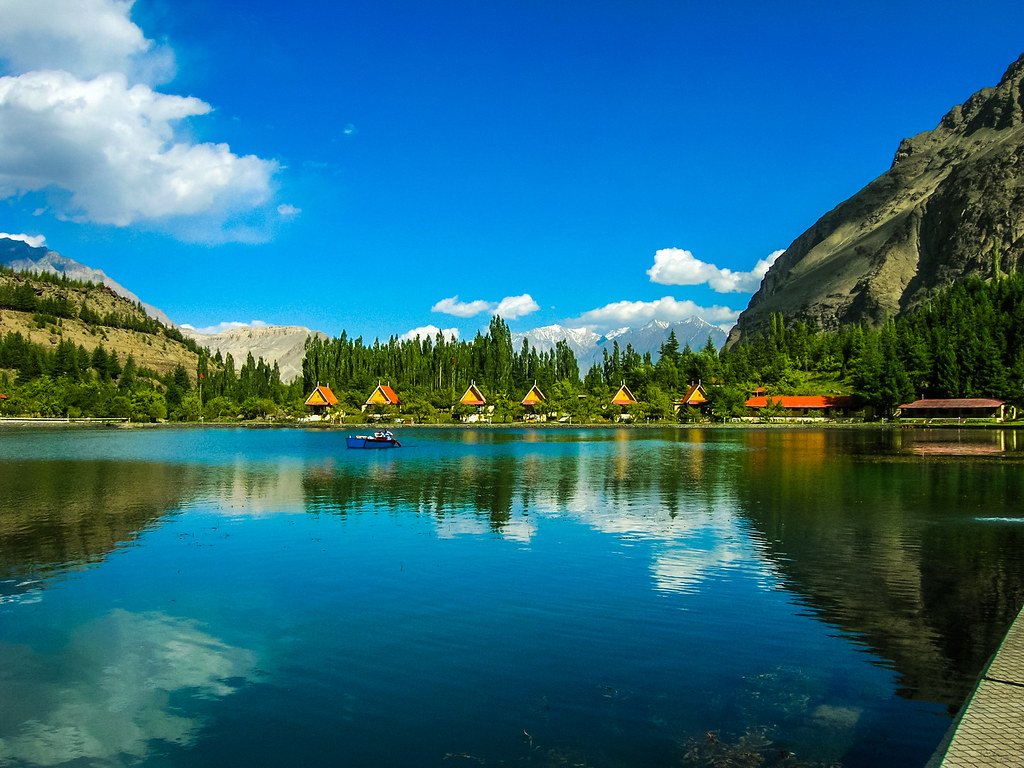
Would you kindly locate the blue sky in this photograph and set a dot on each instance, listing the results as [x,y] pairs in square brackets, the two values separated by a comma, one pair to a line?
[381,167]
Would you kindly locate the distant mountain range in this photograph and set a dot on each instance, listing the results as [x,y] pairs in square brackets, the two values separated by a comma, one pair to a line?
[589,346]
[286,345]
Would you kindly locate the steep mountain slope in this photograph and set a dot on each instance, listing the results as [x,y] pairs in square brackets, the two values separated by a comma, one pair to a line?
[951,205]
[23,257]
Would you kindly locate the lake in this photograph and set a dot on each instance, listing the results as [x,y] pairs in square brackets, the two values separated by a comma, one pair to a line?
[557,597]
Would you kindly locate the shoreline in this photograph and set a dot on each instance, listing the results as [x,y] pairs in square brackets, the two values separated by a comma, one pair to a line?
[108,423]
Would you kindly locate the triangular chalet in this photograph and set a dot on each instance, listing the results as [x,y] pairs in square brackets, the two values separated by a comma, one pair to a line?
[624,397]
[473,396]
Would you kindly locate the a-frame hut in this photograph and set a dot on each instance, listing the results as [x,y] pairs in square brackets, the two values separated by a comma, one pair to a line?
[695,397]
[624,397]
[320,400]
[383,395]
[473,396]
[533,398]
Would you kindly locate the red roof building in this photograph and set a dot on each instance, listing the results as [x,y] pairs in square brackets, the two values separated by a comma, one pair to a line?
[796,405]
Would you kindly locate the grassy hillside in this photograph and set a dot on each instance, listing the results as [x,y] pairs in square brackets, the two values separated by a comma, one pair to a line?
[47,310]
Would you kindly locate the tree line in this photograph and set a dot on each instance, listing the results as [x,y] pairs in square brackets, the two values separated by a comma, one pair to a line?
[966,341]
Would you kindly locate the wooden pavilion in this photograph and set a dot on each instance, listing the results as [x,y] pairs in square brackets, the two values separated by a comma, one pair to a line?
[807,406]
[954,408]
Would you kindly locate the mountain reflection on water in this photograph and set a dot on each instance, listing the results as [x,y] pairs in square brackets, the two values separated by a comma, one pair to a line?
[211,578]
[882,547]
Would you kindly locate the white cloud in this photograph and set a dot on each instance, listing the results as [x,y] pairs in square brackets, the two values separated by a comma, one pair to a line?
[510,307]
[676,266]
[36,241]
[84,37]
[83,129]
[110,148]
[430,332]
[287,210]
[514,307]
[229,325]
[115,699]
[452,306]
[637,313]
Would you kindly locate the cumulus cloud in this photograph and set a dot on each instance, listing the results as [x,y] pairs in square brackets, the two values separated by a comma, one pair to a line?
[637,313]
[510,308]
[287,210]
[430,332]
[36,241]
[84,37]
[83,128]
[229,325]
[676,266]
[513,307]
[452,306]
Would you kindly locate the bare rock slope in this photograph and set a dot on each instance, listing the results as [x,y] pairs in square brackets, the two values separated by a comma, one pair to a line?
[285,345]
[951,205]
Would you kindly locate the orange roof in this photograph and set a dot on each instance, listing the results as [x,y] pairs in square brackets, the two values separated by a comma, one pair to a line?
[473,396]
[382,395]
[803,402]
[695,395]
[624,397]
[3,396]
[322,396]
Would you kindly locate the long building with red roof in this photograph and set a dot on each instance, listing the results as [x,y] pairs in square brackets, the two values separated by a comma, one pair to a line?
[806,405]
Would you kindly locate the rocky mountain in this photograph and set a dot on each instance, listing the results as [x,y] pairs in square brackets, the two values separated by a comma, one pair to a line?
[589,346]
[950,206]
[285,345]
[27,258]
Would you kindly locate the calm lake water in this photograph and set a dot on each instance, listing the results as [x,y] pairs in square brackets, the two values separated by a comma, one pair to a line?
[676,597]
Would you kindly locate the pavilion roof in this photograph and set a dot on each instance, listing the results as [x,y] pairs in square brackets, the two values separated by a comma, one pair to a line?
[954,402]
[803,402]
[473,396]
[534,396]
[695,395]
[322,395]
[382,395]
[624,397]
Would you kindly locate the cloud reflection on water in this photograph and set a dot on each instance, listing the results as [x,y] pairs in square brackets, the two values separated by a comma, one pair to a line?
[108,693]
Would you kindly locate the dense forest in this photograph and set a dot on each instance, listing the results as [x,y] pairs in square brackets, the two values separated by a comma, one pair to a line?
[967,341]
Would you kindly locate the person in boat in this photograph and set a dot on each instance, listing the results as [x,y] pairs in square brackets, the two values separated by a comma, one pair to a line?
[388,434]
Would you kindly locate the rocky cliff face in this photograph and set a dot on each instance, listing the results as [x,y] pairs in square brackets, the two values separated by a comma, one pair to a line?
[284,345]
[951,205]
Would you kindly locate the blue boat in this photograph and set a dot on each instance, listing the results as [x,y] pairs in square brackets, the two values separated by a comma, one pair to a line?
[376,440]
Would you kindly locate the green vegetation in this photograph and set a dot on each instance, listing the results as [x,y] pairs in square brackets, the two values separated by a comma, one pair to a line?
[968,341]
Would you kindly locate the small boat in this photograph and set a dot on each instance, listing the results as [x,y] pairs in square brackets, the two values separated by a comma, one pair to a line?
[376,440]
